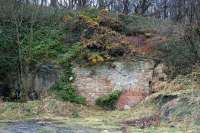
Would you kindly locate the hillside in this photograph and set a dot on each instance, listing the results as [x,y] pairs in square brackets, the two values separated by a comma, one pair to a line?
[97,71]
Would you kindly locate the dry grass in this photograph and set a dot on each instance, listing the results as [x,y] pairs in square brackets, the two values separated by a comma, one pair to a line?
[67,114]
[78,115]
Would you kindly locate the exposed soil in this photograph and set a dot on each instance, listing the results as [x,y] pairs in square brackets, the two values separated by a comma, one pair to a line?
[144,122]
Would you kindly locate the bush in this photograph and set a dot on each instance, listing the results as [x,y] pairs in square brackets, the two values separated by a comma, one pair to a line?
[109,102]
[180,54]
[47,43]
[107,41]
[8,51]
[67,92]
[192,37]
[64,88]
[136,25]
[107,20]
[177,57]
[77,27]
[92,13]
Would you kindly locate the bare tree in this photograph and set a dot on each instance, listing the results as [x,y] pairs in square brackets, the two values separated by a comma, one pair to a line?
[126,6]
[81,3]
[54,3]
[142,6]
[71,4]
[101,4]
[43,2]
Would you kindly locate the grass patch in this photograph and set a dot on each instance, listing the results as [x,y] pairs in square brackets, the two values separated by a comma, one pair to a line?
[3,125]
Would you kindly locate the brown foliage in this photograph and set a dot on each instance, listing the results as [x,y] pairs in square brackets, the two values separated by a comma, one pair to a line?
[107,21]
[107,40]
[145,122]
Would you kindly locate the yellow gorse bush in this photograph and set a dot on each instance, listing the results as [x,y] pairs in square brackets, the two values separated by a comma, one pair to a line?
[66,18]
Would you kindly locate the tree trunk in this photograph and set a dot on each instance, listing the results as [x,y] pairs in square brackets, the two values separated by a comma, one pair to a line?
[43,2]
[20,85]
[71,4]
[54,3]
[82,3]
[126,6]
[101,4]
[165,9]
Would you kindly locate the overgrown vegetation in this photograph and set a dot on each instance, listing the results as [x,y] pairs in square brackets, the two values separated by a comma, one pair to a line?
[137,25]
[101,35]
[32,35]
[64,88]
[93,36]
[8,50]
[181,54]
[41,41]
[109,102]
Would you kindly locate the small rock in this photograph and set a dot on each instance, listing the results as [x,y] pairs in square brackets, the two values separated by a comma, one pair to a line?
[126,107]
[71,78]
[172,126]
[105,131]
[148,35]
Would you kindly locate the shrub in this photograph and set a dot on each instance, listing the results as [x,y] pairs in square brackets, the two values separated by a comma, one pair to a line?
[109,102]
[67,92]
[8,51]
[95,58]
[134,24]
[180,54]
[177,57]
[107,41]
[77,27]
[192,37]
[106,20]
[91,12]
[64,88]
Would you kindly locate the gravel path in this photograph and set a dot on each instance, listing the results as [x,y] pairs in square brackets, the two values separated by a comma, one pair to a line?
[42,127]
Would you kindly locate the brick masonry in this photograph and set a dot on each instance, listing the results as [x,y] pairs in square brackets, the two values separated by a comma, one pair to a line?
[94,81]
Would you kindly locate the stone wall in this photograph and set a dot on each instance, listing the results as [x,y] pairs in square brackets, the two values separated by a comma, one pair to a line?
[39,79]
[102,79]
[43,79]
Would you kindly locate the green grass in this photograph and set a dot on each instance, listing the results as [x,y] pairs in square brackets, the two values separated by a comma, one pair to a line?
[47,44]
